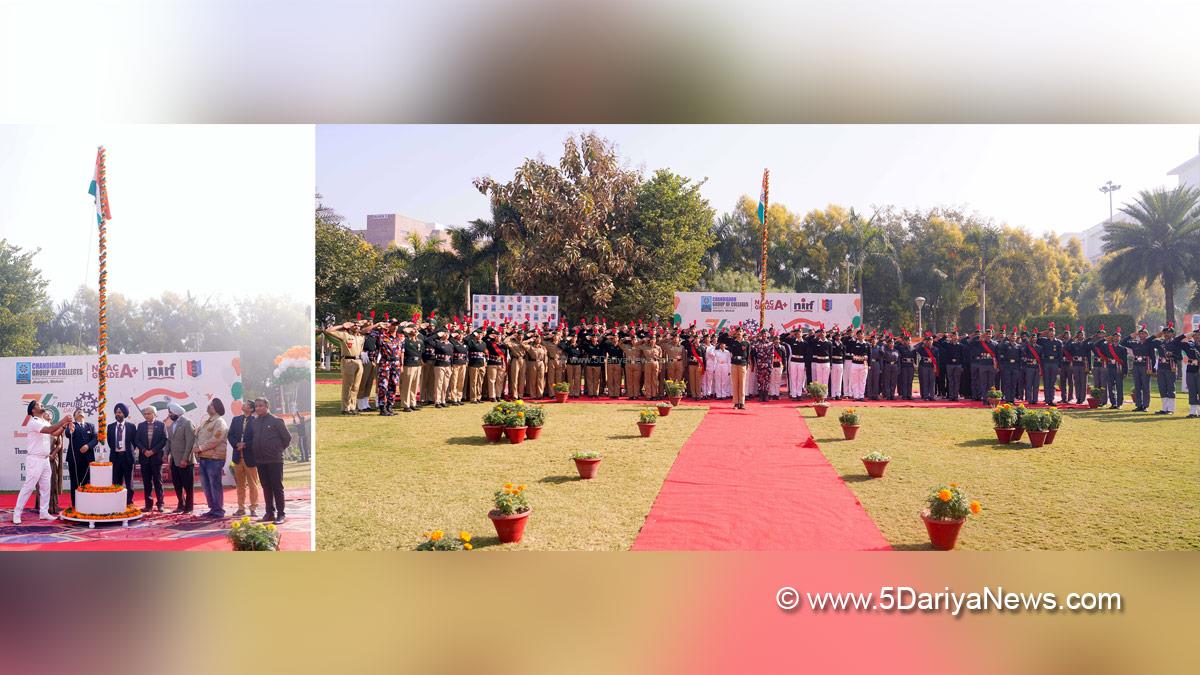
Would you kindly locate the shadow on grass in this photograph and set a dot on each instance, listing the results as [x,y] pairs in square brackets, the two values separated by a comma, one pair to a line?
[328,408]
[559,480]
[620,436]
[470,440]
[981,442]
[923,546]
[855,478]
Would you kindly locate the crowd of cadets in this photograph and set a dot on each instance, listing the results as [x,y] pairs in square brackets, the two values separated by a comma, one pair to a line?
[410,364]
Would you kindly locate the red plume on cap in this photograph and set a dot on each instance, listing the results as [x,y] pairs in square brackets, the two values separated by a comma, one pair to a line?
[928,333]
[1080,326]
[1101,326]
[385,316]
[1170,324]
[978,327]
[372,315]
[358,316]
[1004,327]
[433,314]
[416,316]
[1052,324]
[1118,329]
[486,323]
[991,326]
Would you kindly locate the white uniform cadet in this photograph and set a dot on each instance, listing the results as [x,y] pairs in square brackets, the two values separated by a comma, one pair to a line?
[37,469]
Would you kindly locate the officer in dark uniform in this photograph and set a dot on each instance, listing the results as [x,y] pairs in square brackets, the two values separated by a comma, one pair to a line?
[1027,384]
[1050,349]
[1117,368]
[476,366]
[1079,356]
[1100,358]
[1009,353]
[1189,347]
[890,356]
[874,367]
[1167,356]
[927,368]
[908,365]
[985,361]
[1142,362]
[952,352]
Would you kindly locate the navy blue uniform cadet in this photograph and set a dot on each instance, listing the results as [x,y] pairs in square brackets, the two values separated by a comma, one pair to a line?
[1189,348]
[1115,371]
[1050,348]
[1142,363]
[1167,356]
[927,369]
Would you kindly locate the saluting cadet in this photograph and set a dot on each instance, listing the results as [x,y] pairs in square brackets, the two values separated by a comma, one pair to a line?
[1009,354]
[476,366]
[1079,355]
[1116,369]
[783,355]
[795,367]
[908,364]
[711,367]
[555,362]
[820,348]
[1031,369]
[1167,354]
[1050,349]
[351,340]
[535,360]
[985,363]
[458,369]
[387,356]
[516,364]
[890,357]
[651,359]
[858,352]
[443,359]
[428,357]
[1142,363]
[739,352]
[673,354]
[614,364]
[1189,348]
[874,368]
[927,368]
[631,354]
[952,352]
[837,358]
[693,355]
[366,383]
[496,356]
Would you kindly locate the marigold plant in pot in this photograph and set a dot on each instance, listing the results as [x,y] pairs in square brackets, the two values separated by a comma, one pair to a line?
[1037,424]
[535,417]
[1019,429]
[994,396]
[818,392]
[510,514]
[1055,421]
[1096,396]
[561,391]
[512,416]
[1004,422]
[849,421]
[437,540]
[493,424]
[674,390]
[246,535]
[945,512]
[646,421]
[876,462]
[663,407]
[587,462]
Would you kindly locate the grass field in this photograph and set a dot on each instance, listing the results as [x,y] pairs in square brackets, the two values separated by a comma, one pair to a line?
[1111,480]
[383,481]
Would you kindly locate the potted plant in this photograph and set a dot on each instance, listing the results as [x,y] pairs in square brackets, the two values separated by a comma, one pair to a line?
[876,462]
[535,417]
[1019,428]
[674,390]
[1004,422]
[818,391]
[561,391]
[493,424]
[849,422]
[246,535]
[646,421]
[994,396]
[1037,424]
[1054,419]
[586,462]
[510,416]
[1097,395]
[945,512]
[510,513]
[438,541]
[663,407]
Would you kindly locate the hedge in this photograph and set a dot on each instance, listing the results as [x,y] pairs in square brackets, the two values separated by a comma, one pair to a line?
[1061,322]
[1111,321]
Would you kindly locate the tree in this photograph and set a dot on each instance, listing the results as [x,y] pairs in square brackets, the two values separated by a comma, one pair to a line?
[864,241]
[1161,243]
[23,300]
[348,271]
[992,250]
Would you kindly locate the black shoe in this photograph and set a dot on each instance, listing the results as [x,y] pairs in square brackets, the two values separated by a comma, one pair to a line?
[1161,412]
[281,519]
[159,508]
[267,518]
[406,409]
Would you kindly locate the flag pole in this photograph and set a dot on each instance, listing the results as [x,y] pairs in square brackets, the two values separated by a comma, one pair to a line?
[102,216]
[764,203]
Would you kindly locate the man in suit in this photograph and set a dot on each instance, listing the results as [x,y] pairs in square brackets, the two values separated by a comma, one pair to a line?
[81,451]
[121,451]
[270,438]
[150,443]
[245,469]
[181,441]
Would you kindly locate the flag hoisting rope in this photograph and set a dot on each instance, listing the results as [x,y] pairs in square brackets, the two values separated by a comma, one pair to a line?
[99,191]
[762,218]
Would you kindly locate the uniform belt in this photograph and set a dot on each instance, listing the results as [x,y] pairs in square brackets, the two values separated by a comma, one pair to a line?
[906,360]
[797,359]
[857,359]
[1029,362]
[820,359]
[1139,359]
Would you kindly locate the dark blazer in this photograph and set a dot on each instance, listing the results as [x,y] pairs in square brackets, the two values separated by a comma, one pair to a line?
[130,439]
[240,432]
[83,439]
[142,444]
[270,439]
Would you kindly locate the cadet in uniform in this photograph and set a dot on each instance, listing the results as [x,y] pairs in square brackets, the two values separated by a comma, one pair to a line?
[555,364]
[387,367]
[858,353]
[672,352]
[1078,356]
[516,365]
[1167,354]
[614,364]
[496,356]
[1114,377]
[632,355]
[458,369]
[352,343]
[693,355]
[535,360]
[476,366]
[651,358]
[927,368]
[739,351]
[820,348]
[1050,348]
[908,357]
[443,358]
[954,360]
[891,367]
[1189,348]
[1143,367]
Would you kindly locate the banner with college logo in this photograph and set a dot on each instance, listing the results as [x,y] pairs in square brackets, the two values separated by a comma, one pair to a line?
[535,309]
[784,311]
[65,383]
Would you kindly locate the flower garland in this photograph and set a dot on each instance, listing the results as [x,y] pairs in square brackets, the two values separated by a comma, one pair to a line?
[101,490]
[130,512]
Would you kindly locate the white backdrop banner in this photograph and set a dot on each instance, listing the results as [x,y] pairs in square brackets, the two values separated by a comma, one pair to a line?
[536,309]
[784,311]
[64,383]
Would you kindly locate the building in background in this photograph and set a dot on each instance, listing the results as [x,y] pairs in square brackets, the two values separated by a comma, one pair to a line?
[393,229]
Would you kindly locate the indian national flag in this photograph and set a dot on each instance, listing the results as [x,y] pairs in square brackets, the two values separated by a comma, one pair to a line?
[99,189]
[762,198]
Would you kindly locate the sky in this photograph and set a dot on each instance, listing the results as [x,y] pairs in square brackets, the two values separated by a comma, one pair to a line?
[221,211]
[1041,177]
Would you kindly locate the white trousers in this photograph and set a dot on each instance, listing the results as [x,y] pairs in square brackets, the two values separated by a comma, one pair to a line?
[795,379]
[37,473]
[856,377]
[708,380]
[724,380]
[820,372]
[776,379]
[835,379]
[751,382]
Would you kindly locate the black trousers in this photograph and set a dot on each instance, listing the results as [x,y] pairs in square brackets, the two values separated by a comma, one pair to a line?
[270,477]
[1079,375]
[123,472]
[79,467]
[905,380]
[152,480]
[926,377]
[183,478]
[954,374]
[1049,377]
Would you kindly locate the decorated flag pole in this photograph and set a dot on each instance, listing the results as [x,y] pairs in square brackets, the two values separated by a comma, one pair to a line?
[762,218]
[99,190]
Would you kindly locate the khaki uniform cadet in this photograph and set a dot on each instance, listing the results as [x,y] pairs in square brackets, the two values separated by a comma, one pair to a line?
[555,365]
[352,343]
[476,366]
[594,369]
[410,376]
[366,385]
[458,368]
[693,358]
[651,367]
[632,348]
[495,356]
[673,353]
[535,359]
[428,374]
[516,365]
[443,368]
[613,364]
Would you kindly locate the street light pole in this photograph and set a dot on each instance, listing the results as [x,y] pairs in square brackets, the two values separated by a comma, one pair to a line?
[920,322]
[1108,189]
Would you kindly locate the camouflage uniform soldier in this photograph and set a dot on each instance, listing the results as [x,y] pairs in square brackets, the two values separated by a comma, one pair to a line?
[387,364]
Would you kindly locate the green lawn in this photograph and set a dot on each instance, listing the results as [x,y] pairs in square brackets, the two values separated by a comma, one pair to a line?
[1111,480]
[385,480]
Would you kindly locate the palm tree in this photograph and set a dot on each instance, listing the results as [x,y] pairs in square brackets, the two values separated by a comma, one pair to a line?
[491,247]
[1160,244]
[863,241]
[989,249]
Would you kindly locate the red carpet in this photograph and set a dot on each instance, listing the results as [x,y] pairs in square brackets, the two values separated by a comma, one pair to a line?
[754,480]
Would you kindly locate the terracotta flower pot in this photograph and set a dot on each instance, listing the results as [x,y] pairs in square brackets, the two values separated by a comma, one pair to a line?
[1037,438]
[874,469]
[943,534]
[531,433]
[1004,435]
[493,432]
[646,429]
[663,410]
[993,402]
[561,396]
[509,528]
[850,431]
[1093,402]
[587,467]
[1050,436]
[515,434]
[1017,434]
[674,399]
[821,410]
